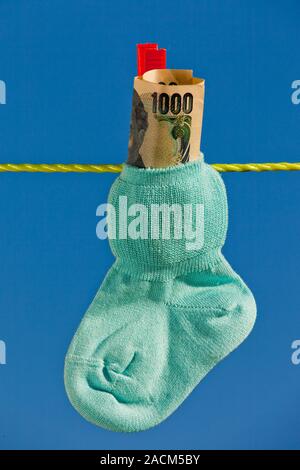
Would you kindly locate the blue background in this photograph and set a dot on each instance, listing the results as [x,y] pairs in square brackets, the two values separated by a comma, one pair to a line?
[68,67]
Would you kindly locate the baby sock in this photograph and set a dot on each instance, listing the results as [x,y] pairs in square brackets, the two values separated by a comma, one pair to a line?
[169,309]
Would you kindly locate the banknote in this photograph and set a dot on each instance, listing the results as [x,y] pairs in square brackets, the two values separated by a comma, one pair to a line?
[166,118]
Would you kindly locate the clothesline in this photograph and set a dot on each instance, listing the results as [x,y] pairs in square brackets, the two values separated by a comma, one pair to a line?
[109,168]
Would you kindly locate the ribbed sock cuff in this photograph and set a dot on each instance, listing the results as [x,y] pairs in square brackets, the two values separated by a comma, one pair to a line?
[161,176]
[200,262]
[167,244]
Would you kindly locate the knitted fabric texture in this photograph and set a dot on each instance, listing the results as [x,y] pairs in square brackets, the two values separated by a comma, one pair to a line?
[165,315]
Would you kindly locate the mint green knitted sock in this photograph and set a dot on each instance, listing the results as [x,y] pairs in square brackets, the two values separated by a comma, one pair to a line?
[165,315]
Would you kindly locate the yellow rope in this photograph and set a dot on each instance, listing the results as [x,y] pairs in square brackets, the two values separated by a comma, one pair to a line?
[241,167]
[107,168]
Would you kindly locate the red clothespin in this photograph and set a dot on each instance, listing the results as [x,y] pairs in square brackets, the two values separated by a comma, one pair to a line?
[149,57]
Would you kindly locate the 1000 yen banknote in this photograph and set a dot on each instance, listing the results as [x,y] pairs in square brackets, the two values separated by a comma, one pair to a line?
[166,119]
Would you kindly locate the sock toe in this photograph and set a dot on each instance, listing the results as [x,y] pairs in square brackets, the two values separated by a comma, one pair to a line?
[121,404]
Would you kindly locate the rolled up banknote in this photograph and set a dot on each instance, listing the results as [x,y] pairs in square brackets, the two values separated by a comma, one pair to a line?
[166,119]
